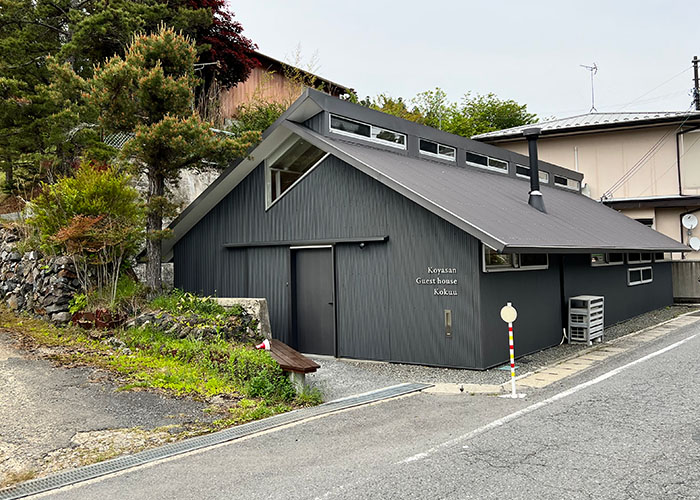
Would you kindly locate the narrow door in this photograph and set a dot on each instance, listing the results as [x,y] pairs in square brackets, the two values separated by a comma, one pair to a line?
[314,309]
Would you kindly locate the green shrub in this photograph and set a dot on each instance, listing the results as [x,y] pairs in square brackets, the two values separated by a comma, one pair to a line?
[181,303]
[253,372]
[77,303]
[97,218]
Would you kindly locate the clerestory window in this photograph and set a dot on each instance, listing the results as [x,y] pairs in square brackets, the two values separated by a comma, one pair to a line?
[285,167]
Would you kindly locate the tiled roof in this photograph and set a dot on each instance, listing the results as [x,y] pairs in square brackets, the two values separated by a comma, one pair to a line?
[593,120]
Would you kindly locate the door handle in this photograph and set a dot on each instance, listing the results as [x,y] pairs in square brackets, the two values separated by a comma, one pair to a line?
[330,303]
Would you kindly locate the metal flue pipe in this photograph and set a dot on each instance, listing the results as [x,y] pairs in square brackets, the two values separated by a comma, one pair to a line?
[535,199]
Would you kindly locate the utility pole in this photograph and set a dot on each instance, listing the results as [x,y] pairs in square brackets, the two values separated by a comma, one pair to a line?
[696,88]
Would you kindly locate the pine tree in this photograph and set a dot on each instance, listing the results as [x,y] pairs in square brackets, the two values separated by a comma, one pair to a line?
[44,126]
[150,92]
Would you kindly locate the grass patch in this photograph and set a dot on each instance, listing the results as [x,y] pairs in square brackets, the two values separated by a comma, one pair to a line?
[149,358]
[17,477]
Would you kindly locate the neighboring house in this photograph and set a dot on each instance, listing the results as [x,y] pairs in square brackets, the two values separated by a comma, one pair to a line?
[373,237]
[646,165]
[275,81]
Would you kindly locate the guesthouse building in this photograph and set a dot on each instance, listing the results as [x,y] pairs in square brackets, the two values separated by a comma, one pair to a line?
[373,237]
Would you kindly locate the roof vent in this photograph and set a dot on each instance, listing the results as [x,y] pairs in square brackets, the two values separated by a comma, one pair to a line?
[535,199]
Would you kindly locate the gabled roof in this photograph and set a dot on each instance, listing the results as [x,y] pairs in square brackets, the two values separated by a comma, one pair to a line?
[592,122]
[490,206]
[272,64]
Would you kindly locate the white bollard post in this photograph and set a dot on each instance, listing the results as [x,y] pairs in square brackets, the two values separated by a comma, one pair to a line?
[512,359]
[509,315]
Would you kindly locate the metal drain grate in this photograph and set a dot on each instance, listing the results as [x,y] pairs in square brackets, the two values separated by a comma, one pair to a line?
[88,472]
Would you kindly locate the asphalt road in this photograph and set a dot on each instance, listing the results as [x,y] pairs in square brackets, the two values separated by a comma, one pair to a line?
[627,428]
[42,407]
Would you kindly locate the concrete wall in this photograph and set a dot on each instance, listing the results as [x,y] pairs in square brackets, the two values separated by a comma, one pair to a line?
[686,281]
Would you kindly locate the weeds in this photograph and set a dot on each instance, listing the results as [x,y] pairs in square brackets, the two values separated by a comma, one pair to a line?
[17,477]
[148,358]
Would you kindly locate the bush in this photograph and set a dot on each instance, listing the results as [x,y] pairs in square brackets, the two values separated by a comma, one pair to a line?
[97,218]
[182,303]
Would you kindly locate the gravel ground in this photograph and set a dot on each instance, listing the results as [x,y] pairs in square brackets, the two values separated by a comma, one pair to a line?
[338,378]
[54,417]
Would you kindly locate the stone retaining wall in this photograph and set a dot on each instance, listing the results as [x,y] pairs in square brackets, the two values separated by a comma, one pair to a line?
[33,283]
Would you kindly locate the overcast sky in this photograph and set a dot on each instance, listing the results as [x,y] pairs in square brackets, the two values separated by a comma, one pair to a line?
[529,51]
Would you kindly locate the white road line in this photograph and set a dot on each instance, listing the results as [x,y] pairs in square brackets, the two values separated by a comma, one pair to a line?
[508,418]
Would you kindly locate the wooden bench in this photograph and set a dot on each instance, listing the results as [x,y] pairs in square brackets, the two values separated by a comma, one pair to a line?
[293,362]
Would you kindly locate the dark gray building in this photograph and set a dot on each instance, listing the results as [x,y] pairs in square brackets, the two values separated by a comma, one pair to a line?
[377,238]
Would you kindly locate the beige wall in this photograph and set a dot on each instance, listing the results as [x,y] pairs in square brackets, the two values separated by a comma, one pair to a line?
[668,221]
[603,158]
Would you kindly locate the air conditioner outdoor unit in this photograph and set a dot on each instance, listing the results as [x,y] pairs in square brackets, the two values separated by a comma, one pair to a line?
[586,318]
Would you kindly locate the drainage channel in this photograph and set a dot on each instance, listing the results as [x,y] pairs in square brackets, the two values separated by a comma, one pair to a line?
[93,471]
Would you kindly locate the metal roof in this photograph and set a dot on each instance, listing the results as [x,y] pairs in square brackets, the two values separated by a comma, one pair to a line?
[594,121]
[490,206]
[493,207]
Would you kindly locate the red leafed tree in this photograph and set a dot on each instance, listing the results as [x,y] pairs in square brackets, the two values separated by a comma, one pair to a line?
[223,43]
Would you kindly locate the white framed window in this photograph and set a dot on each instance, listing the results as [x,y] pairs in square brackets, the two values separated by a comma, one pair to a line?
[523,171]
[431,148]
[639,257]
[639,276]
[567,183]
[493,261]
[607,259]
[662,257]
[288,165]
[483,161]
[353,128]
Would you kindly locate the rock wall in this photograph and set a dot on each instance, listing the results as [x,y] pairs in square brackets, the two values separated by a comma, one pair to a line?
[33,283]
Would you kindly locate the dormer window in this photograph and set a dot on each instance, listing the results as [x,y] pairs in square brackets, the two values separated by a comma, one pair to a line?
[352,128]
[431,148]
[483,161]
[524,172]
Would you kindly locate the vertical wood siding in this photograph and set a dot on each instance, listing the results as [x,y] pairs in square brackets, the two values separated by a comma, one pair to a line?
[381,312]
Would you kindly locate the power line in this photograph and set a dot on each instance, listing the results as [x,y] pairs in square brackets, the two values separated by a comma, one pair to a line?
[671,166]
[642,161]
[658,86]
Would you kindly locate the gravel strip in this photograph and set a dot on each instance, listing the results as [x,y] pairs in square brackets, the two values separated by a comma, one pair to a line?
[339,378]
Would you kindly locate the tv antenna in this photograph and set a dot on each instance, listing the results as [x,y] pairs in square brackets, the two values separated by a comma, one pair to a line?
[593,70]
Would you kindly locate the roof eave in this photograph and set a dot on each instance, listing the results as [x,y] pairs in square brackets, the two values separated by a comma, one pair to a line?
[584,129]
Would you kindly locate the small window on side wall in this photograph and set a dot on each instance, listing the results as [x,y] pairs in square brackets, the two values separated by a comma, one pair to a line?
[607,259]
[661,257]
[639,257]
[639,276]
[496,261]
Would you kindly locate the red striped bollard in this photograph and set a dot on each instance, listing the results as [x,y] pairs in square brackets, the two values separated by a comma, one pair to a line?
[509,315]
